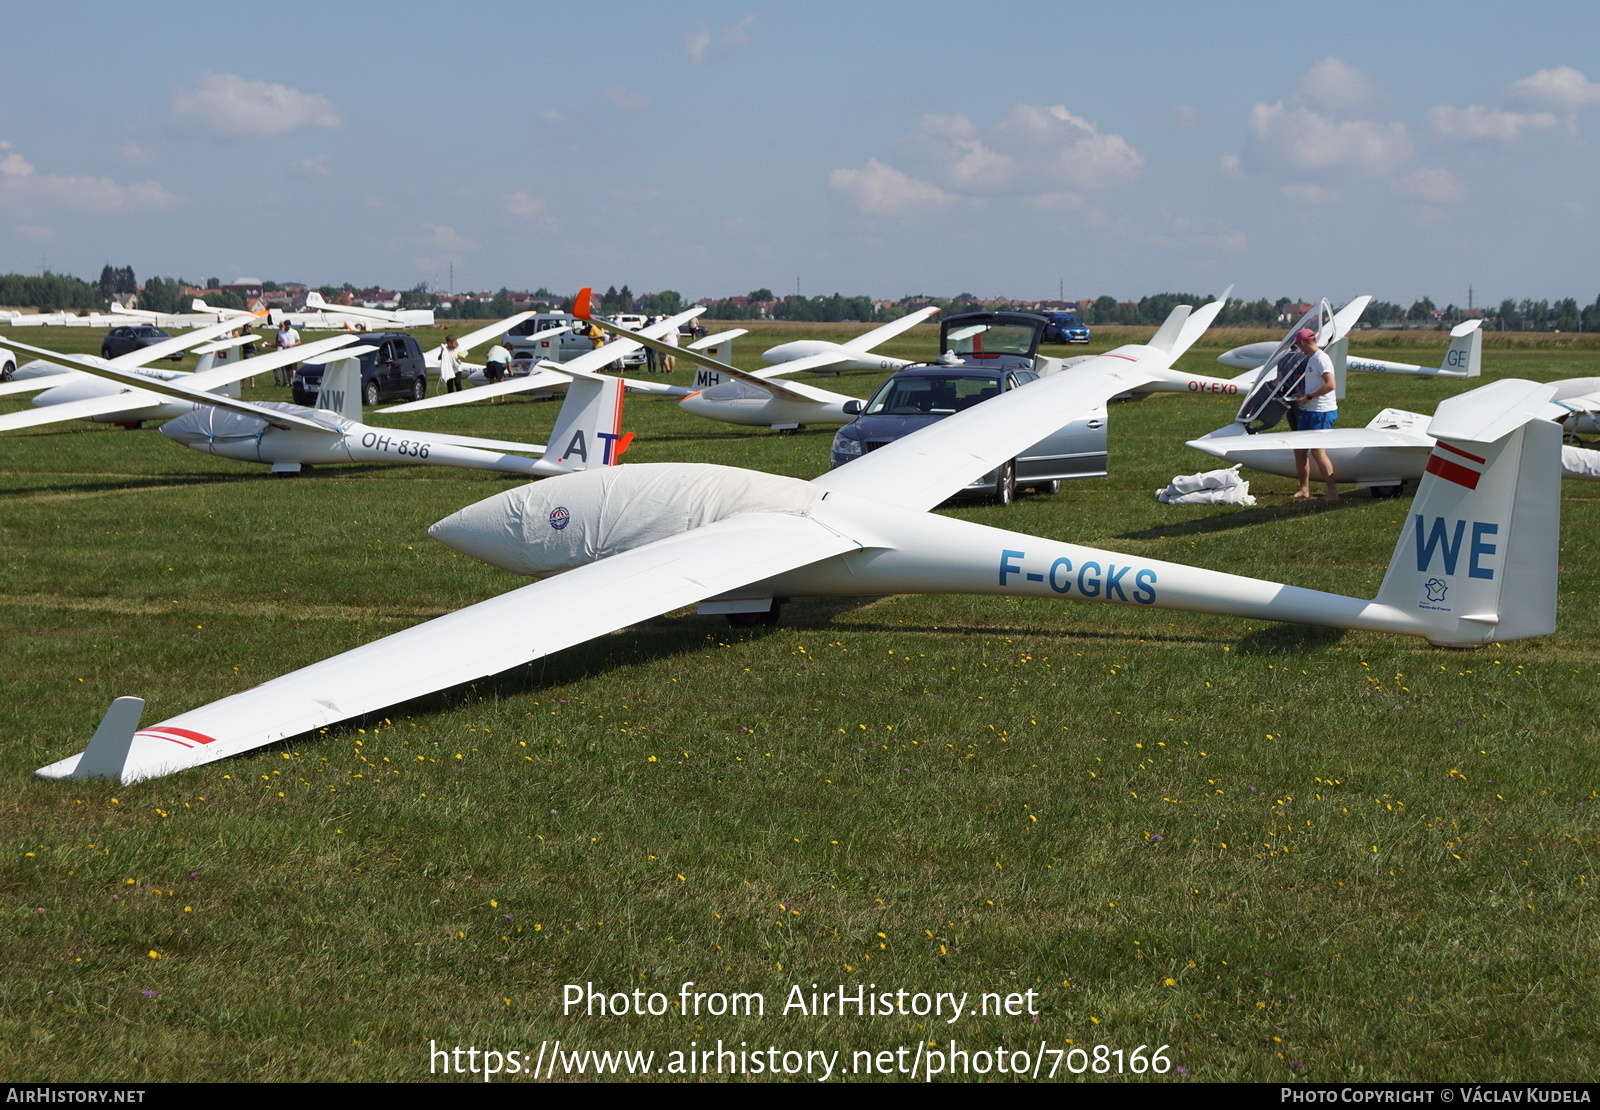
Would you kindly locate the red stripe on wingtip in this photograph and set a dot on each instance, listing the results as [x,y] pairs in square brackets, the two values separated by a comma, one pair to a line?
[1459,451]
[160,731]
[1453,472]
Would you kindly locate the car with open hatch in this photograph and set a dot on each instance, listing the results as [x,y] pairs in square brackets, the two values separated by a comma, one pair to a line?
[986,354]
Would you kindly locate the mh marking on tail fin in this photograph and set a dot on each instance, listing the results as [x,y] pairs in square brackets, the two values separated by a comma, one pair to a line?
[1448,545]
[1452,471]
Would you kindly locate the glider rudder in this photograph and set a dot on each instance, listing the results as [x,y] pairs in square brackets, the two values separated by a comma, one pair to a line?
[1477,556]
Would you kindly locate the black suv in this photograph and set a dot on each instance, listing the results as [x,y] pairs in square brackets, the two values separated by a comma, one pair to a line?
[119,341]
[394,370]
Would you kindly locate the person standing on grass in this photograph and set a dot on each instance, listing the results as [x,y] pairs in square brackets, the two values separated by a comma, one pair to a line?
[287,337]
[495,366]
[1314,407]
[450,370]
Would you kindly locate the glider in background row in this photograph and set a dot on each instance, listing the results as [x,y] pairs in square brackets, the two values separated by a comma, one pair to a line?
[823,357]
[1463,359]
[760,400]
[290,437]
[1475,563]
[548,376]
[1397,447]
[131,398]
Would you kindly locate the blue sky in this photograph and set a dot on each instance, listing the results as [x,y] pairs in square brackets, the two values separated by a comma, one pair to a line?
[712,148]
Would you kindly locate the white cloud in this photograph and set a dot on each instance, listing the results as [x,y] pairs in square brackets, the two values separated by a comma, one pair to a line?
[24,188]
[627,100]
[524,205]
[1562,87]
[315,165]
[552,116]
[1232,168]
[1305,193]
[1032,149]
[444,247]
[701,44]
[1295,137]
[1430,185]
[228,106]
[1334,84]
[1477,122]
[136,154]
[879,190]
[1180,117]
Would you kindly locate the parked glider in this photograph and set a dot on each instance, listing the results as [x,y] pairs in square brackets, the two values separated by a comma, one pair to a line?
[1463,358]
[291,437]
[1475,563]
[555,375]
[821,356]
[758,399]
[131,398]
[1397,447]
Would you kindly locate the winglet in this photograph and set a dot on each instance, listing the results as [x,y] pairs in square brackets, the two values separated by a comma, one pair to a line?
[107,752]
[580,305]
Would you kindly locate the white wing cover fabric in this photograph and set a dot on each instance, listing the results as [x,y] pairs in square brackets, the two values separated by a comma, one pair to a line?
[1211,487]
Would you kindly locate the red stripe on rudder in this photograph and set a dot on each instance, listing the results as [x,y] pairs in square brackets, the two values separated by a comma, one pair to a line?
[1453,472]
[187,734]
[1459,451]
[622,446]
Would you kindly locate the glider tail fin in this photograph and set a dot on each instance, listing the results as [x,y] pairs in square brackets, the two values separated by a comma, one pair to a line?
[1464,359]
[1476,560]
[588,431]
[341,388]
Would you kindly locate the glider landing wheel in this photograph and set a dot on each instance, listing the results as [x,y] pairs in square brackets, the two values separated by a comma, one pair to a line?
[1383,493]
[768,619]
[1005,484]
[369,394]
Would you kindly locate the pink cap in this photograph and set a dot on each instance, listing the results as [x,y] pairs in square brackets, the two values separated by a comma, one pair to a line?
[1304,334]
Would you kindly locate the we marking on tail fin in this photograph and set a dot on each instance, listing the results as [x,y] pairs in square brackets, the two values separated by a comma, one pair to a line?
[1476,559]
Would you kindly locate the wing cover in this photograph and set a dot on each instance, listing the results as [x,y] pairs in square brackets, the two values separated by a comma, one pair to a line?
[484,639]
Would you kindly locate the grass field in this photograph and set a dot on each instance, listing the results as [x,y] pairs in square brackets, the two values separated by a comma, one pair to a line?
[1281,852]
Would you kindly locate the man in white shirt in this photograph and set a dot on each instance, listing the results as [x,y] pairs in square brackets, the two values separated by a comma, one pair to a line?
[287,337]
[1315,407]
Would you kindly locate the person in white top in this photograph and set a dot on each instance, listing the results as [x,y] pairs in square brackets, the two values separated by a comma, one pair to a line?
[1315,408]
[450,371]
[287,337]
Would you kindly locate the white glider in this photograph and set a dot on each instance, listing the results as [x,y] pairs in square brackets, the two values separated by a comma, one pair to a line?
[760,399]
[131,399]
[1475,563]
[549,376]
[291,437]
[821,356]
[1463,358]
[1396,447]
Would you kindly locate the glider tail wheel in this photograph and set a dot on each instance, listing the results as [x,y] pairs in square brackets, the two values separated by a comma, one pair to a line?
[767,619]
[369,394]
[1005,484]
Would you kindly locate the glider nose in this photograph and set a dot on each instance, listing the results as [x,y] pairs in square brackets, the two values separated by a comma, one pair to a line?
[483,531]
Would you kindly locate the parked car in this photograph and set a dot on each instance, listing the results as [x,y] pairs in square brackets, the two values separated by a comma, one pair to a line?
[134,337]
[1064,327]
[565,347]
[394,370]
[992,352]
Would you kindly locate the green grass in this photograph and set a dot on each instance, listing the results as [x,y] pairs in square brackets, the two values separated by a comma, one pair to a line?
[1283,852]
